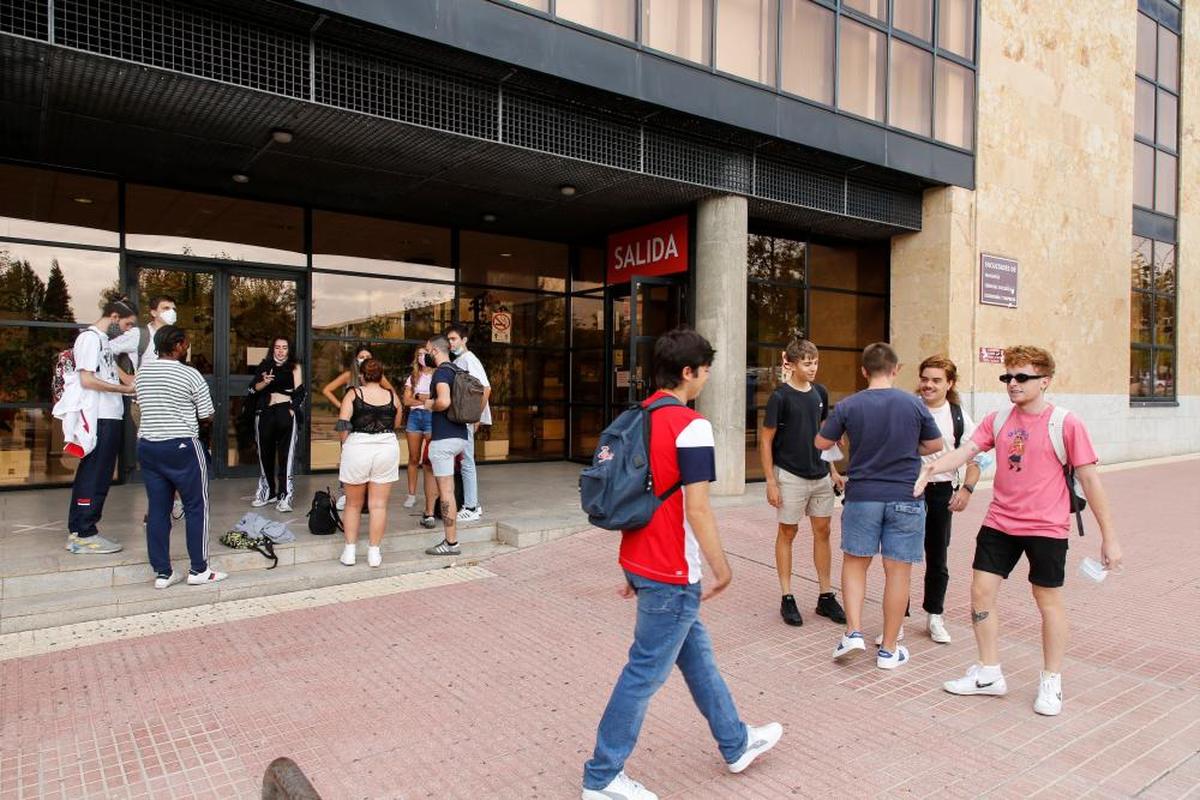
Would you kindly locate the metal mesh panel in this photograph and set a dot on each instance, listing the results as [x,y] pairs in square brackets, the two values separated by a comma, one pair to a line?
[187,40]
[541,124]
[790,183]
[395,90]
[884,204]
[24,18]
[698,162]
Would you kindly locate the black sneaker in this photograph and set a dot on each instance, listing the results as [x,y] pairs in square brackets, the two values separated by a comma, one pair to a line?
[828,606]
[789,612]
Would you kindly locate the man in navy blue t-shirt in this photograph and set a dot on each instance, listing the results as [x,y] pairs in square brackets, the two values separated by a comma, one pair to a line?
[889,431]
[448,442]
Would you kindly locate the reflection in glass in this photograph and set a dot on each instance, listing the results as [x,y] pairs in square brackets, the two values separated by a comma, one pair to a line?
[862,70]
[27,357]
[540,5]
[775,259]
[511,261]
[1164,267]
[1143,175]
[873,8]
[1164,320]
[1140,267]
[1164,373]
[1168,119]
[49,283]
[1164,183]
[808,33]
[524,432]
[955,90]
[863,267]
[846,320]
[1141,375]
[773,313]
[58,206]
[1141,309]
[31,444]
[379,308]
[1147,51]
[1143,109]
[679,27]
[956,27]
[589,271]
[909,93]
[380,247]
[537,319]
[915,17]
[193,293]
[587,376]
[191,224]
[754,418]
[586,424]
[260,310]
[1168,58]
[611,16]
[746,38]
[587,322]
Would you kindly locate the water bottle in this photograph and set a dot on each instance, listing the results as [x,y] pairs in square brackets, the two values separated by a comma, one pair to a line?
[1093,570]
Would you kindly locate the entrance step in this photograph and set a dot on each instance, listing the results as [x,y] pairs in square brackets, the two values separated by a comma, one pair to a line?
[71,605]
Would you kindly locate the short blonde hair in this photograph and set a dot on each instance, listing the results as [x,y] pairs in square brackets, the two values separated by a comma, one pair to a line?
[1036,357]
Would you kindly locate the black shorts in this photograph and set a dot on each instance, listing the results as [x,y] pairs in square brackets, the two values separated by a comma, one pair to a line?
[997,552]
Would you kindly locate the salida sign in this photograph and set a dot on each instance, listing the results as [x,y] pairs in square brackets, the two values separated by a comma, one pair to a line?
[657,249]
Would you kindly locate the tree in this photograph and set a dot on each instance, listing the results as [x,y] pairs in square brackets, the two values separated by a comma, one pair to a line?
[57,303]
[22,292]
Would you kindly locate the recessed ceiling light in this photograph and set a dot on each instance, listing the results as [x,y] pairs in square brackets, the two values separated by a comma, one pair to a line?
[489,217]
[240,177]
[86,201]
[506,255]
[567,190]
[282,136]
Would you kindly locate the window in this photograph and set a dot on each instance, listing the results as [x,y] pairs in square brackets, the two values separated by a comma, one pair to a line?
[1156,118]
[611,16]
[911,106]
[680,27]
[955,104]
[58,207]
[808,31]
[956,27]
[872,8]
[1152,320]
[862,70]
[746,44]
[915,17]
[350,243]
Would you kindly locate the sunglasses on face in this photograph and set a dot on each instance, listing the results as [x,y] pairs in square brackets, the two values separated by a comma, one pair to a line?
[1020,377]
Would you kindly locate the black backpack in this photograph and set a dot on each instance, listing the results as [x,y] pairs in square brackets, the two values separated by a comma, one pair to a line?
[323,518]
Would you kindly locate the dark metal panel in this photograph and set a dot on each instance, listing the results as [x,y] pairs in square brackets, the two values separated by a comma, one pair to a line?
[945,166]
[1154,226]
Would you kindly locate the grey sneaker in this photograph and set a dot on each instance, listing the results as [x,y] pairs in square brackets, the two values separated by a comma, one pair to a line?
[96,544]
[444,548]
[283,506]
[428,521]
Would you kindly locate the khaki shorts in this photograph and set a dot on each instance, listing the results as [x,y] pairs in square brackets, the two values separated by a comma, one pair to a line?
[802,497]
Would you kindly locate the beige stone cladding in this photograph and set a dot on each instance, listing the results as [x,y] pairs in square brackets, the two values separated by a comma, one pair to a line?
[1054,189]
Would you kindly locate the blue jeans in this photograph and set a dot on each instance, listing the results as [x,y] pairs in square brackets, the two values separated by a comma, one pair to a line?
[895,529]
[668,633]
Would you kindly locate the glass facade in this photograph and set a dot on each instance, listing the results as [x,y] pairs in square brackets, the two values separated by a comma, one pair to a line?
[894,64]
[836,295]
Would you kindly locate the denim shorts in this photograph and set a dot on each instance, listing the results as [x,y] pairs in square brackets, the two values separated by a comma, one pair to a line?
[420,420]
[895,529]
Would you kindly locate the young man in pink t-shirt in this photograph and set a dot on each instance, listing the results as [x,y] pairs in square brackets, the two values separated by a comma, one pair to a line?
[1030,514]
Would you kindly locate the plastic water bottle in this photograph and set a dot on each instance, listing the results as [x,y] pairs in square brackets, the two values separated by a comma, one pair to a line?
[1093,570]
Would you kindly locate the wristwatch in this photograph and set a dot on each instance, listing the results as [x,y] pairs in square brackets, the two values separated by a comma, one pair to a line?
[970,489]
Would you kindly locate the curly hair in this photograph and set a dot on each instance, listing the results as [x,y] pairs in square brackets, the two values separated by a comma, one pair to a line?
[947,366]
[1036,357]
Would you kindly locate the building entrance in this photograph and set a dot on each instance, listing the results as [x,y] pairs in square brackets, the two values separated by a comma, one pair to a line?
[231,315]
[642,310]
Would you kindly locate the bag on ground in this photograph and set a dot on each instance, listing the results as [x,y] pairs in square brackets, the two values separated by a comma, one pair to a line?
[323,518]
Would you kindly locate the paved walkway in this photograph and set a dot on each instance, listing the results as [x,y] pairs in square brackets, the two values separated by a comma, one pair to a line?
[488,682]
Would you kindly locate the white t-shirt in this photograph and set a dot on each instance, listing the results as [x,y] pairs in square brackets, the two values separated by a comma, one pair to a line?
[945,423]
[94,354]
[471,363]
[130,343]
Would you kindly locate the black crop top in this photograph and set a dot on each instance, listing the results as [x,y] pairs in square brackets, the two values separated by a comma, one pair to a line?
[367,418]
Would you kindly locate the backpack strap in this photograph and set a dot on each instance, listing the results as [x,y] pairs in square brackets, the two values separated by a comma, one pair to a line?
[998,422]
[821,390]
[1058,418]
[649,410]
[960,424]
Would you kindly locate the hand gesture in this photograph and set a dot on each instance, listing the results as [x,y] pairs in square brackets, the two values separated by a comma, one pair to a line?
[1110,554]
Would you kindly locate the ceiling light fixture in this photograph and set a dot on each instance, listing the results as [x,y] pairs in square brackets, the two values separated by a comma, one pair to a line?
[489,217]
[241,177]
[86,201]
[506,255]
[282,136]
[567,190]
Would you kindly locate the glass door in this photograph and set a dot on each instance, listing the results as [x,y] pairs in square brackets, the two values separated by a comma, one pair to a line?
[641,312]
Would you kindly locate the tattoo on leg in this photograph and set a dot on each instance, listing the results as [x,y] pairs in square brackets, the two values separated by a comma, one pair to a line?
[445,509]
[978,616]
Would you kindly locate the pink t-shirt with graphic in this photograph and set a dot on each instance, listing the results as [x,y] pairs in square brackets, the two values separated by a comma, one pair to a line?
[1029,495]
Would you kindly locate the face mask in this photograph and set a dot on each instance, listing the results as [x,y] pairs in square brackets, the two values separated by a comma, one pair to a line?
[114,330]
[168,317]
[458,351]
[430,361]
[360,362]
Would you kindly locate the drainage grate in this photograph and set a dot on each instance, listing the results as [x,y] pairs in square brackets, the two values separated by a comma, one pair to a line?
[24,18]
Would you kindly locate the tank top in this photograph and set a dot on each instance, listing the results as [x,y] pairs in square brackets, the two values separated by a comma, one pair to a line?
[367,418]
[422,386]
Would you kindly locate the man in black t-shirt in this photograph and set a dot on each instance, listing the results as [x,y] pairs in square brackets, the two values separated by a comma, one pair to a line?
[799,482]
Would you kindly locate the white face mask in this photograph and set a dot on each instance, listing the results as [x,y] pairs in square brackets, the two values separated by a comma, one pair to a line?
[168,317]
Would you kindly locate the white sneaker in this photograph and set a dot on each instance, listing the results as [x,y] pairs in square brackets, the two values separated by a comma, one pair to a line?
[162,582]
[621,787]
[1049,699]
[177,509]
[258,503]
[349,555]
[209,575]
[469,514]
[374,557]
[341,502]
[283,506]
[850,643]
[937,629]
[758,741]
[978,680]
[410,501]
[885,659]
[899,637]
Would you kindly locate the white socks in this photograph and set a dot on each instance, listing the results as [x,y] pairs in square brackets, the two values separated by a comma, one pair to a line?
[991,672]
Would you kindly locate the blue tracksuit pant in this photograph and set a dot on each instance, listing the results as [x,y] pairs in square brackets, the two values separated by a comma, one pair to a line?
[175,465]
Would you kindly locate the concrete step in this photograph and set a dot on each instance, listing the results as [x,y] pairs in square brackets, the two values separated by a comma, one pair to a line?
[29,612]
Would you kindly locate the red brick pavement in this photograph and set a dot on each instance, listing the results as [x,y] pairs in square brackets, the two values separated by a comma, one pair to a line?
[492,688]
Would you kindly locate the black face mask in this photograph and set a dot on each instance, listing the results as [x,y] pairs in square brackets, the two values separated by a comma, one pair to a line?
[430,361]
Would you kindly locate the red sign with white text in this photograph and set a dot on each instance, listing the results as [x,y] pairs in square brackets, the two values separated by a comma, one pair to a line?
[657,249]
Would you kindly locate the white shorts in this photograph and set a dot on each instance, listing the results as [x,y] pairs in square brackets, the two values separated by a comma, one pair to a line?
[803,497]
[370,458]
[442,453]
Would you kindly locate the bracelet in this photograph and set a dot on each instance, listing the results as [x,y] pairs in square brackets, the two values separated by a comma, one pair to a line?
[970,489]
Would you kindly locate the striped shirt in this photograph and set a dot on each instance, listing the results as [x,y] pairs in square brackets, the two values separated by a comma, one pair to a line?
[172,397]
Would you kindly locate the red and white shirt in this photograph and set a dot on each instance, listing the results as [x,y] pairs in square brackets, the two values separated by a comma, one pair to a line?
[682,451]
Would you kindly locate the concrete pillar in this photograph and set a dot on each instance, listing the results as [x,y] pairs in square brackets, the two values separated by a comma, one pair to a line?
[720,316]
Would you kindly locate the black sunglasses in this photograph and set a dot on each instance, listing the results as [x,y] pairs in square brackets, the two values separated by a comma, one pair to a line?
[1020,377]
